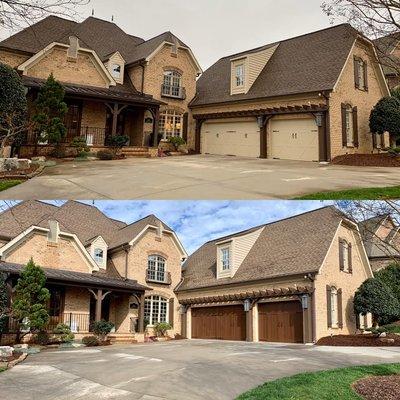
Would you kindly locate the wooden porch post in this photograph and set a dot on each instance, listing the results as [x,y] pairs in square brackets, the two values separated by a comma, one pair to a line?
[197,146]
[156,114]
[141,314]
[115,119]
[99,300]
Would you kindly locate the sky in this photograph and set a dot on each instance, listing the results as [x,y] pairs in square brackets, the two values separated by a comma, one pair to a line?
[212,28]
[197,222]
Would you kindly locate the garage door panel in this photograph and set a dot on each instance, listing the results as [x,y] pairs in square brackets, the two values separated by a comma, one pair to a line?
[231,138]
[281,322]
[224,323]
[295,139]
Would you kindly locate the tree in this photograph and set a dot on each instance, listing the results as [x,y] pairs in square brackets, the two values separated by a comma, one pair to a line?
[4,309]
[376,19]
[376,298]
[385,117]
[390,276]
[13,106]
[20,13]
[50,110]
[30,302]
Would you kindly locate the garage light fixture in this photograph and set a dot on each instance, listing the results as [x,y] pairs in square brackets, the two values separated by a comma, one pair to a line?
[260,121]
[319,119]
[247,305]
[304,301]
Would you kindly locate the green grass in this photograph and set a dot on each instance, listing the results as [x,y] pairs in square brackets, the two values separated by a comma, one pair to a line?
[326,385]
[2,369]
[392,328]
[356,194]
[4,185]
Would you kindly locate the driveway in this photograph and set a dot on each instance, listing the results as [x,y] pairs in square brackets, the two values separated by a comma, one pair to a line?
[196,177]
[186,370]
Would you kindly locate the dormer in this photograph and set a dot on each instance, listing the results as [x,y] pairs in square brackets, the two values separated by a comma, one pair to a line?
[246,68]
[98,250]
[232,252]
[116,66]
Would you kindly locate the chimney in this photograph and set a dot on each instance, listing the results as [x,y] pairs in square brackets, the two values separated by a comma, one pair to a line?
[73,47]
[54,231]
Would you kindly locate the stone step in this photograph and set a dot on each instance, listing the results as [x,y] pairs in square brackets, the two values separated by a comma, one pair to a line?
[122,338]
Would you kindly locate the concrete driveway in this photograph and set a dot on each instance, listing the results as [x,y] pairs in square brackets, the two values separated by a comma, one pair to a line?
[186,370]
[196,177]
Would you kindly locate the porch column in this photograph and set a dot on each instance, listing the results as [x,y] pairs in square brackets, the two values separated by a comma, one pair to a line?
[99,300]
[156,115]
[189,323]
[255,322]
[321,119]
[115,110]
[263,123]
[141,314]
[307,306]
[197,147]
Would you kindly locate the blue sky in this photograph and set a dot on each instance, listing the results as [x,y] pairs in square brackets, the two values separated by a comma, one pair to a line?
[196,222]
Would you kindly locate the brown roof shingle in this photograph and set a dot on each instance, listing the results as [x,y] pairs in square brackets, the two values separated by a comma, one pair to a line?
[293,246]
[304,64]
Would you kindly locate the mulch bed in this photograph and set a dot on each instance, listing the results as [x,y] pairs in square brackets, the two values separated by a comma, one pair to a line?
[379,387]
[367,160]
[359,340]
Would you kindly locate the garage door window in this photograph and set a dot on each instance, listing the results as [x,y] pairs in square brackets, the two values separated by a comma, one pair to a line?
[171,124]
[155,309]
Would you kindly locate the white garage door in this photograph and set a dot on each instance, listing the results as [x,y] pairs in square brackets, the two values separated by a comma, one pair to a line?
[295,139]
[240,138]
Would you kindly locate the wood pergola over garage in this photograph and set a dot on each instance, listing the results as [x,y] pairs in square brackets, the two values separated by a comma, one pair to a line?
[300,136]
[273,315]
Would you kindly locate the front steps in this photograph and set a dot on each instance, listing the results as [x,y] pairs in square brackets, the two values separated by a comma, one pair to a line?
[135,151]
[122,338]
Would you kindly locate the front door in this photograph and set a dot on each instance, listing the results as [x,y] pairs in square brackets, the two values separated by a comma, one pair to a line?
[72,121]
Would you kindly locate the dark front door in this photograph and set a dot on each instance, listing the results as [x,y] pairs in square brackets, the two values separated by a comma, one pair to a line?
[72,121]
[281,322]
[224,323]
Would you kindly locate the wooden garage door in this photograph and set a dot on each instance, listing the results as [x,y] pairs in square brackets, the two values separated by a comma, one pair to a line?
[224,323]
[281,322]
[295,139]
[239,138]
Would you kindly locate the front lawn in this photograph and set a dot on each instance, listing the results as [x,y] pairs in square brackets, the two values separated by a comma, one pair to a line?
[356,194]
[2,369]
[4,185]
[326,385]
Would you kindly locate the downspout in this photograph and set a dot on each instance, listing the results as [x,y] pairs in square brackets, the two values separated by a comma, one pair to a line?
[143,68]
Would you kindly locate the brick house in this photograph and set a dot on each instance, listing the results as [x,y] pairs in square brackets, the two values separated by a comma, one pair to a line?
[288,281]
[305,98]
[115,83]
[96,267]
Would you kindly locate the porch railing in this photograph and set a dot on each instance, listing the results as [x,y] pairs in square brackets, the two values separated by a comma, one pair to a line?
[76,321]
[153,276]
[177,92]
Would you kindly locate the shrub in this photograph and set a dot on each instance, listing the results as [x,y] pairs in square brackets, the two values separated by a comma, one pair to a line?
[42,338]
[394,151]
[161,328]
[105,155]
[65,333]
[385,117]
[102,328]
[176,141]
[91,341]
[117,141]
[82,149]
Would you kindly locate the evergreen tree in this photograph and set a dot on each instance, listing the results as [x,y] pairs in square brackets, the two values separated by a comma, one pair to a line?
[31,297]
[50,110]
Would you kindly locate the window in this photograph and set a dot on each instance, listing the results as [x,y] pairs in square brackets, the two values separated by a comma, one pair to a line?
[334,308]
[360,74]
[155,309]
[171,124]
[172,84]
[239,75]
[156,269]
[349,126]
[116,71]
[225,259]
[99,256]
[345,256]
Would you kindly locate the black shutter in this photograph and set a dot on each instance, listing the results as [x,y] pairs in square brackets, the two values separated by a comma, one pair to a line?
[185,126]
[356,76]
[355,126]
[329,305]
[374,144]
[340,308]
[350,255]
[344,130]
[365,76]
[341,258]
[171,312]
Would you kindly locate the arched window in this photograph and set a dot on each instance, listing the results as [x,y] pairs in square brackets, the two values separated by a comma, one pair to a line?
[156,268]
[99,256]
[155,309]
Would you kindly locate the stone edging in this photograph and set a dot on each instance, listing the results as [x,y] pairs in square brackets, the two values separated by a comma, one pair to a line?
[13,363]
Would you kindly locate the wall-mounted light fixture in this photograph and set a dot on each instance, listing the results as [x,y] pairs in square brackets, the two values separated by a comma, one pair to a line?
[304,301]
[319,118]
[247,305]
[260,121]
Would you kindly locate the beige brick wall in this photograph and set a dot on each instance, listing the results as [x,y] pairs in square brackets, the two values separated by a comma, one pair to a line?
[93,114]
[331,275]
[77,300]
[80,71]
[12,59]
[63,255]
[364,101]
[137,265]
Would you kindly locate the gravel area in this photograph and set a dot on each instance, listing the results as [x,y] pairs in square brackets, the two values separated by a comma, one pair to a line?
[379,388]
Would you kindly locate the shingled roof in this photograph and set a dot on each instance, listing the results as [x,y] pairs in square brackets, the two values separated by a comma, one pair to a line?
[293,246]
[304,64]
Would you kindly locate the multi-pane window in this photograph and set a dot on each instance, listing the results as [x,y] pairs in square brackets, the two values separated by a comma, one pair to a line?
[155,309]
[172,84]
[239,75]
[360,74]
[116,71]
[345,256]
[156,268]
[334,307]
[171,124]
[99,256]
[349,126]
[225,259]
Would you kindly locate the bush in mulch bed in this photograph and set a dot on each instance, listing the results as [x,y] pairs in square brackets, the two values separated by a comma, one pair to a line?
[379,387]
[367,340]
[367,160]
